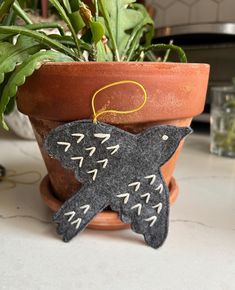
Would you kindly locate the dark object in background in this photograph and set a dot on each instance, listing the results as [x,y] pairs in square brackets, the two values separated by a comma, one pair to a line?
[2,172]
[44,7]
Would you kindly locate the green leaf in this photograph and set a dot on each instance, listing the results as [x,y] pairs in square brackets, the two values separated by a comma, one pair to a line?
[97,31]
[25,41]
[6,37]
[107,21]
[103,52]
[69,41]
[65,40]
[77,21]
[4,47]
[26,69]
[67,5]
[144,28]
[5,8]
[21,13]
[122,19]
[39,37]
[10,18]
[66,19]
[45,25]
[75,4]
[13,56]
[10,106]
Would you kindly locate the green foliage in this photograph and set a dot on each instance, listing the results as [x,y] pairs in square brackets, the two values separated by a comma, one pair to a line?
[117,30]
[4,8]
[24,70]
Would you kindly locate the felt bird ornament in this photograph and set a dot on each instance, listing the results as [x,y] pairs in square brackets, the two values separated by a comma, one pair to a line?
[116,169]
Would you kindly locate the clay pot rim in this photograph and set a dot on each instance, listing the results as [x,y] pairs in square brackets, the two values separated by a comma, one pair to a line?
[127,64]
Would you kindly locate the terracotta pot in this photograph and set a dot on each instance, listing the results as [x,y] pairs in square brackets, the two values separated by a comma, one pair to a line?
[62,92]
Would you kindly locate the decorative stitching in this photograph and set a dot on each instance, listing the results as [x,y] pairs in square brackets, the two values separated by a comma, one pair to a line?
[67,144]
[81,136]
[95,173]
[102,136]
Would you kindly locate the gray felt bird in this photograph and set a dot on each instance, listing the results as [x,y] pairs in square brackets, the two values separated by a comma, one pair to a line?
[116,169]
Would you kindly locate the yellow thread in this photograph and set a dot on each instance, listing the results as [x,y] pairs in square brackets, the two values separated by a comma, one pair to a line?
[96,115]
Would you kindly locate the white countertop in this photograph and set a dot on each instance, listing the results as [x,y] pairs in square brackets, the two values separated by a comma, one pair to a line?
[199,252]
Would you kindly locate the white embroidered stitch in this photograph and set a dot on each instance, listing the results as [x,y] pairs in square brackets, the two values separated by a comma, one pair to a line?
[152,219]
[65,144]
[78,158]
[160,188]
[153,178]
[102,136]
[158,207]
[104,161]
[86,207]
[165,137]
[81,136]
[116,148]
[92,150]
[147,195]
[136,184]
[126,195]
[71,213]
[94,171]
[77,221]
[139,206]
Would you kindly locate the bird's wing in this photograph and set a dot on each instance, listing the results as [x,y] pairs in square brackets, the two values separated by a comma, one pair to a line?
[91,150]
[144,204]
[95,152]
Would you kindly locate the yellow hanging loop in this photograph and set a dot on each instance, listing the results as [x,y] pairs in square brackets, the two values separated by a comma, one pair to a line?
[96,115]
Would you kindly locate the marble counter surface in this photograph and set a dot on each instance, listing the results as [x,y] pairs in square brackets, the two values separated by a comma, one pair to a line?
[198,254]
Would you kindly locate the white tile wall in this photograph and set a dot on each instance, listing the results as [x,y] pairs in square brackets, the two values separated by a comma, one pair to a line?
[204,11]
[173,12]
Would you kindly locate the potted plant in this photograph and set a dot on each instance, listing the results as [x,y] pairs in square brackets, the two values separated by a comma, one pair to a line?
[106,42]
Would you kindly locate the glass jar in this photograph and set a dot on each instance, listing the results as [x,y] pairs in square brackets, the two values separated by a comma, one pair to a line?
[223,121]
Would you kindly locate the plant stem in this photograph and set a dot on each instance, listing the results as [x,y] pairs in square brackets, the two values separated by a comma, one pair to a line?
[108,26]
[96,10]
[20,12]
[9,19]
[64,16]
[4,8]
[177,49]
[151,56]
[45,25]
[134,43]
[166,56]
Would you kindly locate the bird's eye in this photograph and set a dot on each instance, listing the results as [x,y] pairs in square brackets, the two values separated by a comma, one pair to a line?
[165,137]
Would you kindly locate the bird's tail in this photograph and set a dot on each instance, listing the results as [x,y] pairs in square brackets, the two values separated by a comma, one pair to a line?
[78,211]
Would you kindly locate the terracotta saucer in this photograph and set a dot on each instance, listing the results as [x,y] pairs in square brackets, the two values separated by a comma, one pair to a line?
[106,220]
